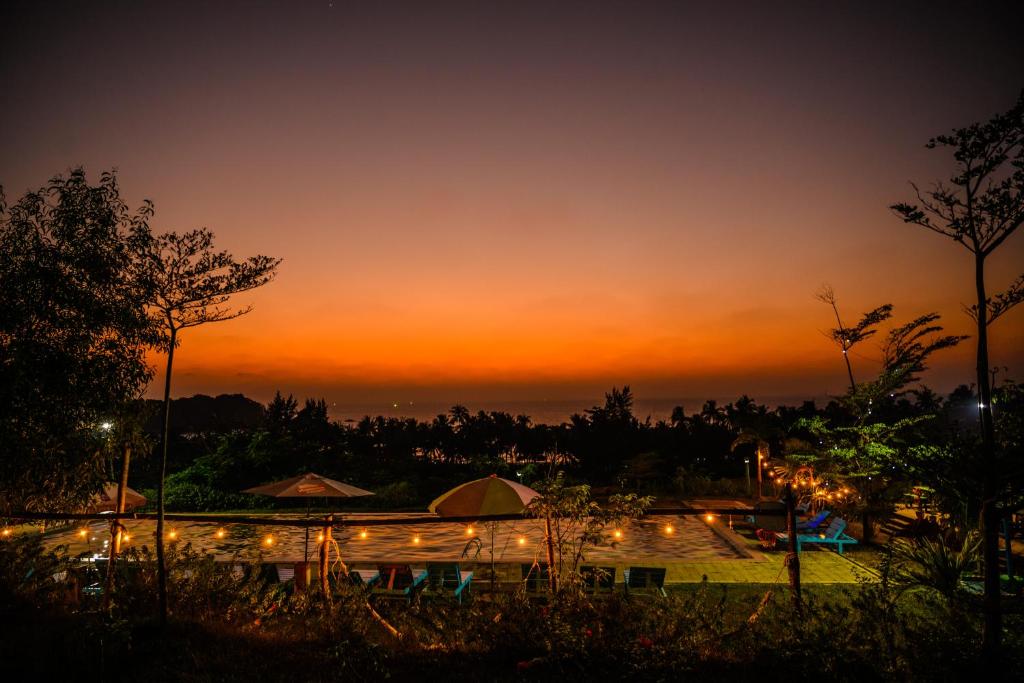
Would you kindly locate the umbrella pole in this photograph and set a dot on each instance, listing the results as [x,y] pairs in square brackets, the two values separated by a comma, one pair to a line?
[305,549]
[494,528]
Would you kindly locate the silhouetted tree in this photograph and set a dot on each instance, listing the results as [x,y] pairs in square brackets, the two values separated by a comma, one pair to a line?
[191,285]
[980,206]
[848,337]
[73,332]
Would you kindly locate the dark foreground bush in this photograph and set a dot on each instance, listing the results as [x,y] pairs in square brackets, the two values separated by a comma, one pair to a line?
[229,626]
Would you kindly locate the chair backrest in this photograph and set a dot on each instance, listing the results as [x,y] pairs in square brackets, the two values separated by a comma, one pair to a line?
[536,576]
[598,577]
[395,576]
[815,522]
[445,575]
[835,528]
[646,577]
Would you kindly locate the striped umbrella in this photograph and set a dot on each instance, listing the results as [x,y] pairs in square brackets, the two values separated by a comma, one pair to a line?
[488,496]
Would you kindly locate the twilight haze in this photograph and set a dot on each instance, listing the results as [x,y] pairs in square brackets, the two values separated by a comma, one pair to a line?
[518,202]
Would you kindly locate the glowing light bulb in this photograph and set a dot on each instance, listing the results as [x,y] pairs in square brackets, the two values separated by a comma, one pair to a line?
[469,531]
[172,534]
[522,540]
[83,532]
[415,540]
[618,533]
[126,538]
[269,540]
[320,538]
[709,518]
[6,532]
[221,533]
[669,529]
[363,534]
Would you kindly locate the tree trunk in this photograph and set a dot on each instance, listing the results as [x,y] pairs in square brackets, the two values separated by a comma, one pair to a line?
[161,567]
[324,557]
[116,528]
[992,638]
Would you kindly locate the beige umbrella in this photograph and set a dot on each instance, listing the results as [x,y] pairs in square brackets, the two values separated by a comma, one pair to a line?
[488,496]
[106,500]
[308,486]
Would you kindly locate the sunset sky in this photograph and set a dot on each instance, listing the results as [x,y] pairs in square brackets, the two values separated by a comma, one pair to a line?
[487,201]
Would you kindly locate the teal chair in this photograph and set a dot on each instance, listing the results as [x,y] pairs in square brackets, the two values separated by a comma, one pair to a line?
[364,578]
[645,581]
[448,580]
[536,578]
[398,581]
[598,580]
[834,535]
[812,525]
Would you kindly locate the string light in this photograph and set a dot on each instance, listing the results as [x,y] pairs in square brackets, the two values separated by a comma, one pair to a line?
[269,540]
[416,540]
[320,537]
[617,533]
[172,534]
[221,533]
[363,534]
[709,518]
[469,531]
[522,540]
[669,529]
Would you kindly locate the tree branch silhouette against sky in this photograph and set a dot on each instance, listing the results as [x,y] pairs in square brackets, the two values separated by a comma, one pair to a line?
[523,201]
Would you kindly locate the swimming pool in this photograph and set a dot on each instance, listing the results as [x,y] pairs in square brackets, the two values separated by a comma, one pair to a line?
[661,539]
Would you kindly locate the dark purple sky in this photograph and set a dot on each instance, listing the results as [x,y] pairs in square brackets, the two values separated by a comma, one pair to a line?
[496,200]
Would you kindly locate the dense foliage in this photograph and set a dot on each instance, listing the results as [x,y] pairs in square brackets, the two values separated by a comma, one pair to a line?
[72,336]
[229,626]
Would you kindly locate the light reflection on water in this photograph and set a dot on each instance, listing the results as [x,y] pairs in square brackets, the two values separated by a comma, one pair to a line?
[515,541]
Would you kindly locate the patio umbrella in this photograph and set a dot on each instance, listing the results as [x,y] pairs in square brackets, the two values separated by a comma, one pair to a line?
[488,496]
[308,486]
[106,500]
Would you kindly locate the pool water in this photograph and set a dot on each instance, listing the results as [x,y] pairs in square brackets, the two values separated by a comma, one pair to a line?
[690,539]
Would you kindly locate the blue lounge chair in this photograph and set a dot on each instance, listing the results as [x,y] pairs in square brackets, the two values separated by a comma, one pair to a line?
[812,525]
[398,581]
[649,580]
[598,579]
[364,578]
[447,579]
[833,535]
